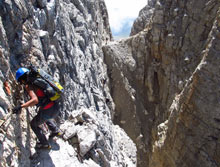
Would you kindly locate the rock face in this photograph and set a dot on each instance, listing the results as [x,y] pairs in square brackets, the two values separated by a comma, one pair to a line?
[64,37]
[165,84]
[144,18]
[163,80]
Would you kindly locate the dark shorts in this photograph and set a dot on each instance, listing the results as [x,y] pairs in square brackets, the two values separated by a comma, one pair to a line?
[50,113]
[45,116]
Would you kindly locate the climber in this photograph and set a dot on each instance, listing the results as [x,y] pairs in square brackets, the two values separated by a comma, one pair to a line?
[39,96]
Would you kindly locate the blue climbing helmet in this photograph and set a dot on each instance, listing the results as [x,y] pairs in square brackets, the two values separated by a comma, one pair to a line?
[20,72]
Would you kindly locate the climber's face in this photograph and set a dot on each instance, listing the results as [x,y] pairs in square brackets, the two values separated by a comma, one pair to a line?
[23,81]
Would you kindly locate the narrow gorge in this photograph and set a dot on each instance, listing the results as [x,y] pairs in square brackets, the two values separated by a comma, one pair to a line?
[150,100]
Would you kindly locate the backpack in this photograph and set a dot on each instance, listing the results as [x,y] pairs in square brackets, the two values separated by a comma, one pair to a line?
[40,78]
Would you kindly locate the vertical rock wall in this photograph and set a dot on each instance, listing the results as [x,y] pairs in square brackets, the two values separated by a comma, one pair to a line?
[64,37]
[164,83]
[144,18]
[190,136]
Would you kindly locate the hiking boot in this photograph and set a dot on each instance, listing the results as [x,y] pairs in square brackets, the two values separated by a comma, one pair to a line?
[53,134]
[43,146]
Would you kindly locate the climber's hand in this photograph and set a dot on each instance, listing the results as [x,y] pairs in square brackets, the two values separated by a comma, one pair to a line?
[17,109]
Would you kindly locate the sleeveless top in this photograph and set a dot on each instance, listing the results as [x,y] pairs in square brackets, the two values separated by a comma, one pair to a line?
[44,101]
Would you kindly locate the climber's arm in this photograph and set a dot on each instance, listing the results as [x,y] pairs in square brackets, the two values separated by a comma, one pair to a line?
[33,97]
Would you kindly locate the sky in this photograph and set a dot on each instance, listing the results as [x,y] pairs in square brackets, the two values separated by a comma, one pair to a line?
[122,14]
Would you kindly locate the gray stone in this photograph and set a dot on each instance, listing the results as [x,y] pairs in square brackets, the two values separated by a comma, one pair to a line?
[42,3]
[160,85]
[65,38]
[174,70]
[87,139]
[144,18]
[70,132]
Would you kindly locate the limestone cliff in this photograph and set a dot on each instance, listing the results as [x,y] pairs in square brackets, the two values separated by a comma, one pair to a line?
[144,18]
[64,37]
[162,85]
[165,83]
